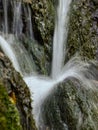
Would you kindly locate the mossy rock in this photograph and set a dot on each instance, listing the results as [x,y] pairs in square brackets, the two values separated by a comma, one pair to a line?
[43,26]
[71,107]
[14,83]
[9,115]
[82,35]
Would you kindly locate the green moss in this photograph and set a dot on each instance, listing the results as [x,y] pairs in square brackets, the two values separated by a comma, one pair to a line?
[9,116]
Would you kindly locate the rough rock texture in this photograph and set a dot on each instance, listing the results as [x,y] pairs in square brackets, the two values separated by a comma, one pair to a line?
[43,26]
[13,83]
[71,107]
[83,29]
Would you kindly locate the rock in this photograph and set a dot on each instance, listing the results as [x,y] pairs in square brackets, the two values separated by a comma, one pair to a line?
[82,36]
[9,115]
[43,27]
[71,107]
[14,83]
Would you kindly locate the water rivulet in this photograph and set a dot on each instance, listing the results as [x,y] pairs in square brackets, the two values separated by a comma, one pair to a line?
[42,86]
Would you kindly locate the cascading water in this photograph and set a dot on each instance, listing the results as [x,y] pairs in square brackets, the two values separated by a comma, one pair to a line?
[60,36]
[12,29]
[5,6]
[39,85]
[17,20]
[9,52]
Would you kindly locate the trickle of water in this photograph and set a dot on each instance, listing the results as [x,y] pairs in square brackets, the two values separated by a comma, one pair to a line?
[30,24]
[5,6]
[17,20]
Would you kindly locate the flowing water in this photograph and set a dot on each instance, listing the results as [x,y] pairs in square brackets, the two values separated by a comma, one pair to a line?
[8,50]
[5,5]
[39,85]
[17,20]
[60,36]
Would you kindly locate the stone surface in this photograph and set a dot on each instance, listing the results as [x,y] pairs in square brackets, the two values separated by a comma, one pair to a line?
[71,107]
[14,83]
[9,116]
[83,29]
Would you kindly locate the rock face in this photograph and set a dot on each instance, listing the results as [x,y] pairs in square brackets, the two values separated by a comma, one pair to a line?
[83,29]
[18,116]
[43,26]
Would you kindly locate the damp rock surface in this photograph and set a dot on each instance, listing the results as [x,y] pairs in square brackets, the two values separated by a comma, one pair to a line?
[14,84]
[71,107]
[83,29]
[9,115]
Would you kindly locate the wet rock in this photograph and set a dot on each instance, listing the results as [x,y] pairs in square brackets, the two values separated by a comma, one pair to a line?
[9,115]
[43,26]
[14,83]
[83,29]
[71,107]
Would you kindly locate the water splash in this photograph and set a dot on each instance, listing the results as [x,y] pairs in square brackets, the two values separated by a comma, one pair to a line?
[40,87]
[29,24]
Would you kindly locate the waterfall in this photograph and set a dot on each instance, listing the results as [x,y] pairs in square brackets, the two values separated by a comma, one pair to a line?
[30,32]
[8,50]
[5,6]
[16,26]
[17,20]
[40,85]
[60,36]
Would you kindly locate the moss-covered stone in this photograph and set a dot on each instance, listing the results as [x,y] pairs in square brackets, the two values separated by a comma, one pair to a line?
[9,115]
[43,26]
[14,83]
[71,107]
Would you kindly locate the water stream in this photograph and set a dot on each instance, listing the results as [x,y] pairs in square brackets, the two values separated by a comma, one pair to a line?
[60,36]
[5,5]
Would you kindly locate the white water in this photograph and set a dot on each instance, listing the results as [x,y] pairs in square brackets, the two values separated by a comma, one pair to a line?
[41,86]
[5,16]
[9,52]
[60,36]
[17,23]
[30,24]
